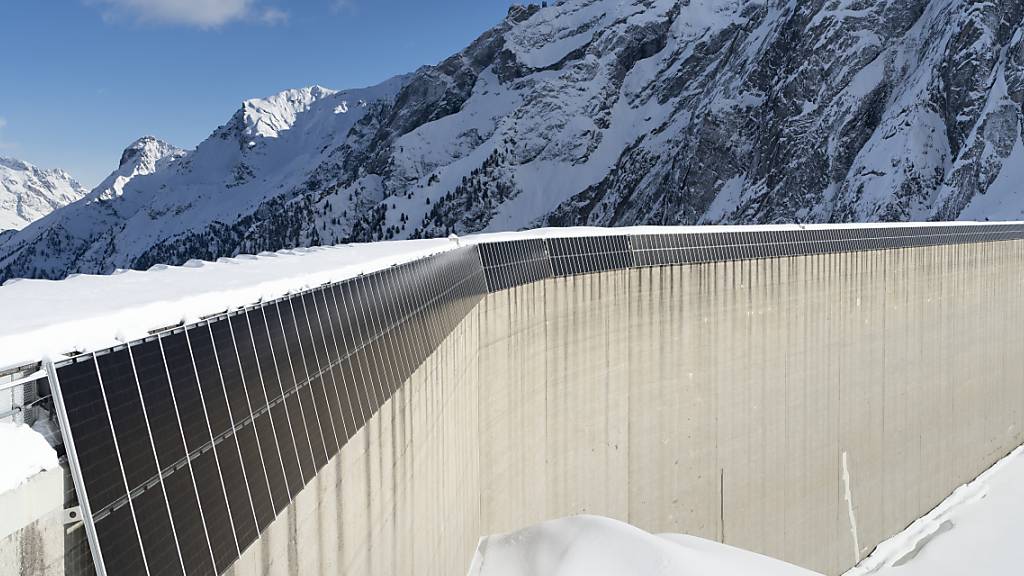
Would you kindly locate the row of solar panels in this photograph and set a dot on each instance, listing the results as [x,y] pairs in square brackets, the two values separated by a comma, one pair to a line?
[188,444]
[185,446]
[519,262]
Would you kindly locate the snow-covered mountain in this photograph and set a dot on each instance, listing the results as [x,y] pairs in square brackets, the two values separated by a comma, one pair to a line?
[54,246]
[144,156]
[28,193]
[606,112]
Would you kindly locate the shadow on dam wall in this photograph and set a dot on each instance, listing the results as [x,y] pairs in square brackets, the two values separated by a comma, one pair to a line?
[805,407]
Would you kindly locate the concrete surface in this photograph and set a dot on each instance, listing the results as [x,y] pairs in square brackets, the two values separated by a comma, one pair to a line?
[805,408]
[32,526]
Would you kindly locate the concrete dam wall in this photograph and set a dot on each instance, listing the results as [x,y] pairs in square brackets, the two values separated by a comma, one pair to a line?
[800,393]
[803,407]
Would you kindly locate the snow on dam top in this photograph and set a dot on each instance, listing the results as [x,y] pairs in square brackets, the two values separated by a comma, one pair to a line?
[48,319]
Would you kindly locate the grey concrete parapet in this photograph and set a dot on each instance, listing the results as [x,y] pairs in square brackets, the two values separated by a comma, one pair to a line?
[32,526]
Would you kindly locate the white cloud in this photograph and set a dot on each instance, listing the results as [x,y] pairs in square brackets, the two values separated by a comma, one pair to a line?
[343,5]
[273,16]
[198,13]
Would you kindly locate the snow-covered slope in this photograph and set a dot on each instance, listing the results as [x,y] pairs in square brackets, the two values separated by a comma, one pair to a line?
[599,112]
[596,546]
[28,193]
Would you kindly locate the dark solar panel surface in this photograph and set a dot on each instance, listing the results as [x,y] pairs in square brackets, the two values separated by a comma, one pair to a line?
[192,442]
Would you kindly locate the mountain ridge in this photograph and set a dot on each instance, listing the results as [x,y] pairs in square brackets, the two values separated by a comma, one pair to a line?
[28,193]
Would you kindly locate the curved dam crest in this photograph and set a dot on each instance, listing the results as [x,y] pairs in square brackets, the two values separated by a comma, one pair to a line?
[801,398]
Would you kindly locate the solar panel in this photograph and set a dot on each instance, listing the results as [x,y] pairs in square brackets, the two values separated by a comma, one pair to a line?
[158,401]
[371,342]
[225,443]
[514,263]
[360,390]
[264,426]
[196,436]
[313,383]
[589,254]
[344,391]
[280,417]
[320,323]
[302,385]
[286,381]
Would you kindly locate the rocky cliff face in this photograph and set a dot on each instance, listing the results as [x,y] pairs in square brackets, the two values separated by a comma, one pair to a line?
[601,112]
[28,193]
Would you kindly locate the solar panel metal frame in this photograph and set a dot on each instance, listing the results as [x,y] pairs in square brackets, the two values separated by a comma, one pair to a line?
[76,469]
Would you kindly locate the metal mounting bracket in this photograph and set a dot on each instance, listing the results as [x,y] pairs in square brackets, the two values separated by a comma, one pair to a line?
[73,517]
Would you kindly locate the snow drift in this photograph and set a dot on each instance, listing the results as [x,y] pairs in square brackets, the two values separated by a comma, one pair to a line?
[597,546]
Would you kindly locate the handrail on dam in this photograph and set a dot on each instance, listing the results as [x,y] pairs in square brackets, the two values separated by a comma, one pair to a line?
[263,397]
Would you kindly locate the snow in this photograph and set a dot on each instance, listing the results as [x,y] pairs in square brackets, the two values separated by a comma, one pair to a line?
[28,193]
[142,157]
[554,33]
[977,530]
[25,453]
[726,200]
[224,178]
[702,18]
[47,319]
[867,79]
[1003,199]
[363,164]
[596,546]
[268,117]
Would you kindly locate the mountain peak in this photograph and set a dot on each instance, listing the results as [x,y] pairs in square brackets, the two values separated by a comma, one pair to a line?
[520,12]
[28,193]
[15,164]
[268,117]
[143,156]
[147,146]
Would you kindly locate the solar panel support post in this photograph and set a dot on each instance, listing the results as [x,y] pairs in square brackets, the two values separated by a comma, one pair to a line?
[76,469]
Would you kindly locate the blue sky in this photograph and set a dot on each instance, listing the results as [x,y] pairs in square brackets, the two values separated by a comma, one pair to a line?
[81,79]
